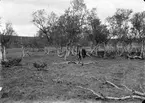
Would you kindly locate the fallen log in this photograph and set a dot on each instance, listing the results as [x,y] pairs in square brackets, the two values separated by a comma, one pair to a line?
[75,62]
[135,57]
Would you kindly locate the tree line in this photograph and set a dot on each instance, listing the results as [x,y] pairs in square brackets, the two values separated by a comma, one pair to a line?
[78,24]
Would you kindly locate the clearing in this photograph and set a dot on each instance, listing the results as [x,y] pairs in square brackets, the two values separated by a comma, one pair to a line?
[61,83]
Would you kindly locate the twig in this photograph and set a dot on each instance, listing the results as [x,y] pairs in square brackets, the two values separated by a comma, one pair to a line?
[96,94]
[141,87]
[113,84]
[127,88]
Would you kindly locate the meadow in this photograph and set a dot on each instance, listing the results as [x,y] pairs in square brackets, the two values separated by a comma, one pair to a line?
[60,82]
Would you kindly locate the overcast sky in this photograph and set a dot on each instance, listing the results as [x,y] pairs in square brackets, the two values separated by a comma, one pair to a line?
[19,12]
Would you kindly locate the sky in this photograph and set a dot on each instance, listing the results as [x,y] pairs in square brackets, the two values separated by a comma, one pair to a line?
[19,12]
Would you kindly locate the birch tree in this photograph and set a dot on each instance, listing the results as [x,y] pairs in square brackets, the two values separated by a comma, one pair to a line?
[5,38]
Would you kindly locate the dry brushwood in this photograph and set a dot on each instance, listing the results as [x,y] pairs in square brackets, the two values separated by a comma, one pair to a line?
[132,55]
[134,94]
[12,62]
[39,66]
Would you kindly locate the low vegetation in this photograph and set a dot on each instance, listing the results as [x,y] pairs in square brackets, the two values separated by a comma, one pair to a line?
[64,82]
[113,70]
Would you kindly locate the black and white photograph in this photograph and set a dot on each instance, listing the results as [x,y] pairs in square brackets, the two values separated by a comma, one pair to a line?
[72,51]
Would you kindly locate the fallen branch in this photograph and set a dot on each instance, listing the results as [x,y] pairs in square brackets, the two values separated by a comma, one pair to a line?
[127,88]
[99,96]
[66,62]
[125,98]
[134,92]
[110,83]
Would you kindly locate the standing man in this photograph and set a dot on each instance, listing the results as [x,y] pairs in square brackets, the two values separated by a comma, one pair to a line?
[81,53]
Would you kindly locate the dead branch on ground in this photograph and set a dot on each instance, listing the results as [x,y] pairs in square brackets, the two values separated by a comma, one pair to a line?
[103,97]
[134,94]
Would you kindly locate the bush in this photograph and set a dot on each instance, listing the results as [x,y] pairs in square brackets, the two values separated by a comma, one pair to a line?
[40,66]
[110,54]
[11,62]
[101,54]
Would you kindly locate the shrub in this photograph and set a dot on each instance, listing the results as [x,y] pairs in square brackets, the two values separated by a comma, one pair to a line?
[12,62]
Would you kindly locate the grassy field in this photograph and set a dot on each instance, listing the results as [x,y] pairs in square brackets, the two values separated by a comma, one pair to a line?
[58,83]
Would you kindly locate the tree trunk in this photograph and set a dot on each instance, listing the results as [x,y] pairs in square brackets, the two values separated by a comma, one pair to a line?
[104,50]
[61,48]
[0,66]
[4,53]
[97,49]
[23,52]
[142,49]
